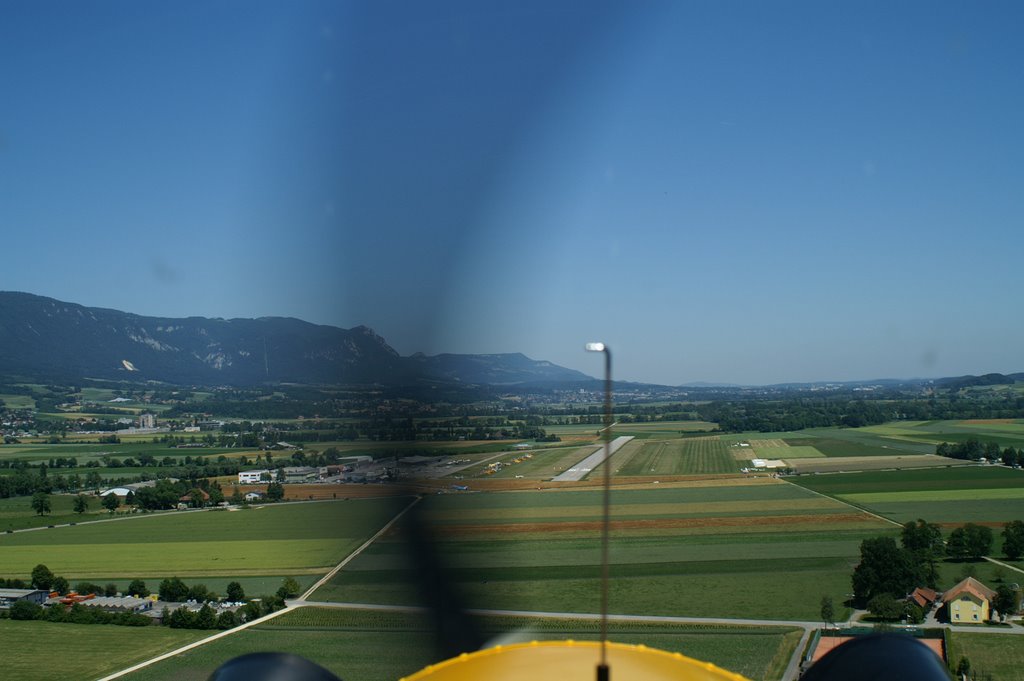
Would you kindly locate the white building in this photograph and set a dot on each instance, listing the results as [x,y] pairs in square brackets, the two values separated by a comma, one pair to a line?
[119,491]
[255,477]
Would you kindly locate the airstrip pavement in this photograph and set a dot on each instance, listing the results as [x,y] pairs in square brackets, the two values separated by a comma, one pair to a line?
[583,468]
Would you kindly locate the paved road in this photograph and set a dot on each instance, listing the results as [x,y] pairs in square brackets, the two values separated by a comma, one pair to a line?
[590,616]
[1002,564]
[580,470]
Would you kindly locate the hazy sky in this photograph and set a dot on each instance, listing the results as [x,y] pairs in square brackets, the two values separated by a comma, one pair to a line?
[723,191]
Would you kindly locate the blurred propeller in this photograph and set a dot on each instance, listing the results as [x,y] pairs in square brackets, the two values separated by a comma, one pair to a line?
[271,667]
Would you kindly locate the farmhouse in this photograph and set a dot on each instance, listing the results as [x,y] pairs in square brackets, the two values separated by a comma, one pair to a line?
[968,601]
[187,498]
[923,597]
[9,596]
[253,496]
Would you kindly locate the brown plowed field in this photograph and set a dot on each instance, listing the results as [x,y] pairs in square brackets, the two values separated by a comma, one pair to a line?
[655,524]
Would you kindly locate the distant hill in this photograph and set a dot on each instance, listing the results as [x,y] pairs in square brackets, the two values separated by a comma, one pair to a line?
[958,382]
[49,339]
[502,369]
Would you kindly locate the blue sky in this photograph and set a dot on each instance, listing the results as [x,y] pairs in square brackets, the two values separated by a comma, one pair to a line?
[722,191]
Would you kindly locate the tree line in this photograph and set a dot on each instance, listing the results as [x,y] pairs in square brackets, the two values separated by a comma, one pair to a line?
[973,449]
[171,590]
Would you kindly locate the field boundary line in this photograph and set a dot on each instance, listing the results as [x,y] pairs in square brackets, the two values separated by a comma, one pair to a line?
[265,618]
[846,503]
[323,580]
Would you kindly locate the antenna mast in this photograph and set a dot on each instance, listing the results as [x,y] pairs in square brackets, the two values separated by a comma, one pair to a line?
[603,672]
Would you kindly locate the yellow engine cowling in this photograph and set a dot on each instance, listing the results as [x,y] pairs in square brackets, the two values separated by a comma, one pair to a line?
[571,661]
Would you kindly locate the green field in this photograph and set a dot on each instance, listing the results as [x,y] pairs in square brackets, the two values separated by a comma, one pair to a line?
[1000,656]
[966,477]
[360,645]
[991,494]
[542,464]
[285,539]
[894,438]
[43,651]
[841,442]
[84,452]
[748,549]
[786,453]
[18,401]
[16,512]
[691,456]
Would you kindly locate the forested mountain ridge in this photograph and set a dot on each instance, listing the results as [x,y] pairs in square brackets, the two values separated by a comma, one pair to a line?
[49,339]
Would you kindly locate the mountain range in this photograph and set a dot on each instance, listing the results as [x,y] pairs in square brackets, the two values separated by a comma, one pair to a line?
[49,339]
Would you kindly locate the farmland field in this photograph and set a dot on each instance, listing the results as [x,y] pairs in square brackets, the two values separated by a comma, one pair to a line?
[861,442]
[701,455]
[992,494]
[848,464]
[1000,656]
[541,464]
[360,645]
[748,550]
[285,539]
[18,401]
[16,512]
[43,651]
[84,452]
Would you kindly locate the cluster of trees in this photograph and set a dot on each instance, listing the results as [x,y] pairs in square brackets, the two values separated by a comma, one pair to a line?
[973,449]
[1013,539]
[887,572]
[885,568]
[164,495]
[173,590]
[43,578]
[771,413]
[794,414]
[76,614]
[970,542]
[28,480]
[204,618]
